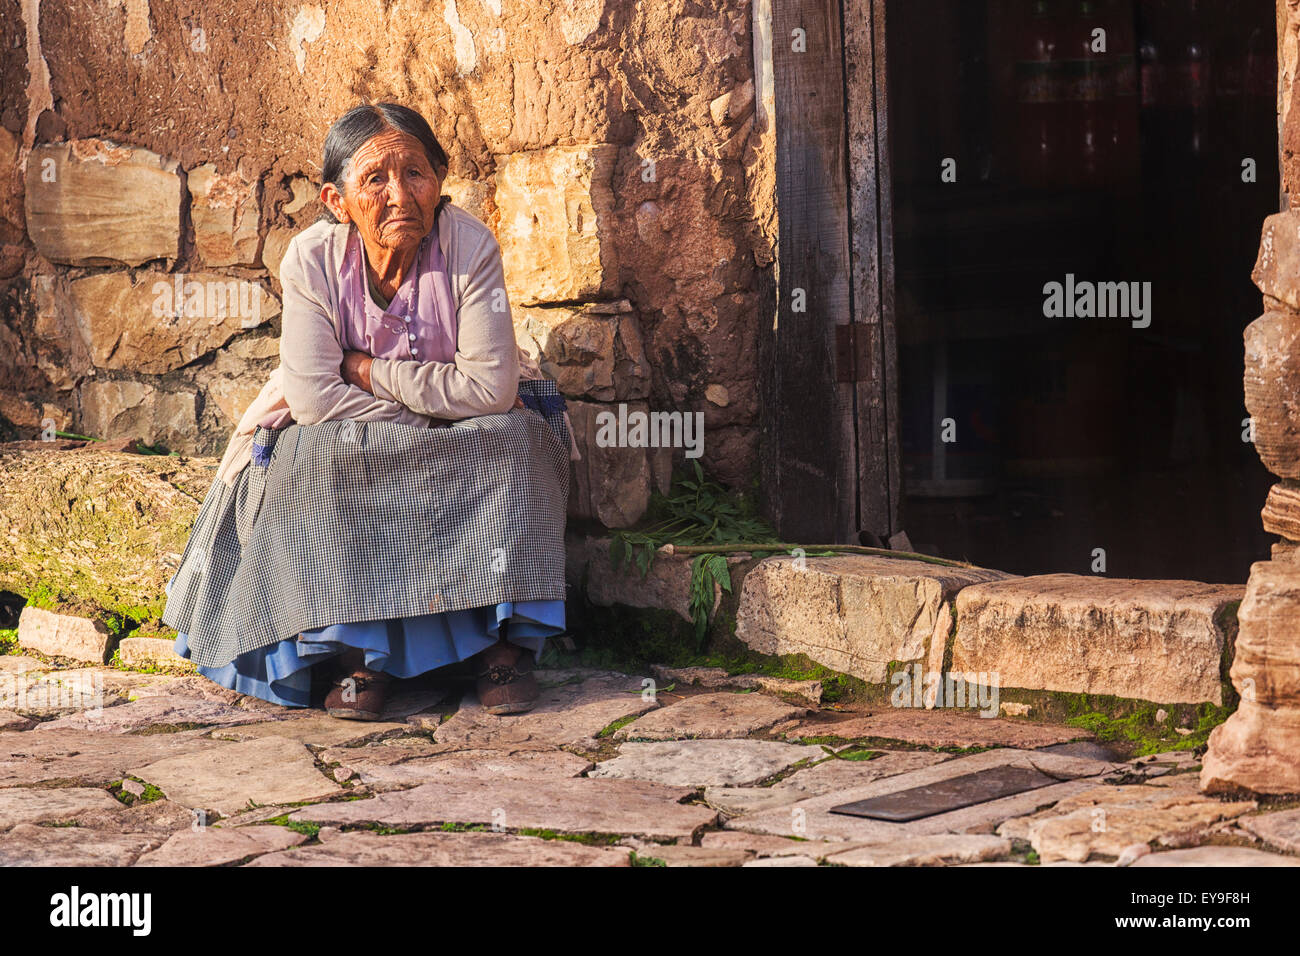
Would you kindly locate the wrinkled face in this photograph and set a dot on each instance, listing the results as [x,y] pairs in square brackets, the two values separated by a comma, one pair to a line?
[389,190]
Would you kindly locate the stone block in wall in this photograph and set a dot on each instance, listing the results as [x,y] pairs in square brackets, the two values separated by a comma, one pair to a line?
[612,484]
[556,206]
[589,353]
[225,212]
[237,373]
[1272,384]
[65,635]
[30,413]
[12,222]
[155,322]
[1159,641]
[853,613]
[89,202]
[667,585]
[1277,266]
[62,352]
[1281,514]
[110,409]
[1254,750]
[274,248]
[1285,550]
[474,196]
[1266,662]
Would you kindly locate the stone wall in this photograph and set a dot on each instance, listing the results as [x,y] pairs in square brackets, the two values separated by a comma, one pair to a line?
[1256,749]
[156,157]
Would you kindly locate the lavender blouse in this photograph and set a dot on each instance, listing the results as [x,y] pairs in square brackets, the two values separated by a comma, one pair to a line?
[420,321]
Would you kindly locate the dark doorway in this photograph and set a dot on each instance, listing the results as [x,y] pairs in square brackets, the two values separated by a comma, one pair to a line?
[1120,165]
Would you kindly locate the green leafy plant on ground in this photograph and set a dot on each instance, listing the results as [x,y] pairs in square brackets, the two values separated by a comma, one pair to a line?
[697,511]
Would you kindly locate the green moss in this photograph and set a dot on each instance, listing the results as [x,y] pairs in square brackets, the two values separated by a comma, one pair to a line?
[150,794]
[635,859]
[8,641]
[304,827]
[610,729]
[857,753]
[1140,733]
[463,827]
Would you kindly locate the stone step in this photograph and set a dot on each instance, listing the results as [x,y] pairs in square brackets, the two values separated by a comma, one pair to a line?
[853,613]
[1159,641]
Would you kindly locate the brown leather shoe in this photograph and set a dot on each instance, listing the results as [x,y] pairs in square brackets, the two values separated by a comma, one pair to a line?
[506,684]
[358,695]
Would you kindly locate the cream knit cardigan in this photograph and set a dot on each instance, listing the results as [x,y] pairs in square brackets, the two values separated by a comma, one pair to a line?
[308,387]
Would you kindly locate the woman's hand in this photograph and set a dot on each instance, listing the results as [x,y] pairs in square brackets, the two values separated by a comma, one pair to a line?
[356,370]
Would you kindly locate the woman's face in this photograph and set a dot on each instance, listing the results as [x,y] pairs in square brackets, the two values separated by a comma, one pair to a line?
[389,190]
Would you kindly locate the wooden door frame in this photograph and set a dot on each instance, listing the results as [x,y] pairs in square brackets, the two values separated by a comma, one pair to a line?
[829,401]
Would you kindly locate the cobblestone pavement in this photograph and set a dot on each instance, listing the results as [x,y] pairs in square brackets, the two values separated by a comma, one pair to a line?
[100,766]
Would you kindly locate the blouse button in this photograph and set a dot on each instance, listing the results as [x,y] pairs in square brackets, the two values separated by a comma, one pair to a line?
[411,336]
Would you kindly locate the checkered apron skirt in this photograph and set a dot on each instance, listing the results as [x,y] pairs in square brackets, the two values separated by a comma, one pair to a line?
[348,521]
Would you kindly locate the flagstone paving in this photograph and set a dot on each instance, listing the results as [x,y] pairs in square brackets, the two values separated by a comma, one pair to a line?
[573,709]
[29,805]
[150,712]
[724,715]
[227,779]
[577,805]
[445,849]
[1281,829]
[938,728]
[674,770]
[211,846]
[706,763]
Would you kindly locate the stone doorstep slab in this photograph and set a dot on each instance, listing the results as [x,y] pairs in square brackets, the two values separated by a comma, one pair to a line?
[853,613]
[1158,641]
[811,817]
[579,805]
[444,849]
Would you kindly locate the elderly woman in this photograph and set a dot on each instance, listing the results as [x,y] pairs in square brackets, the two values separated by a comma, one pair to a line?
[393,501]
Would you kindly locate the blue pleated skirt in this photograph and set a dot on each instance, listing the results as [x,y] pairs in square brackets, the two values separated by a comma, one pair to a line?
[403,647]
